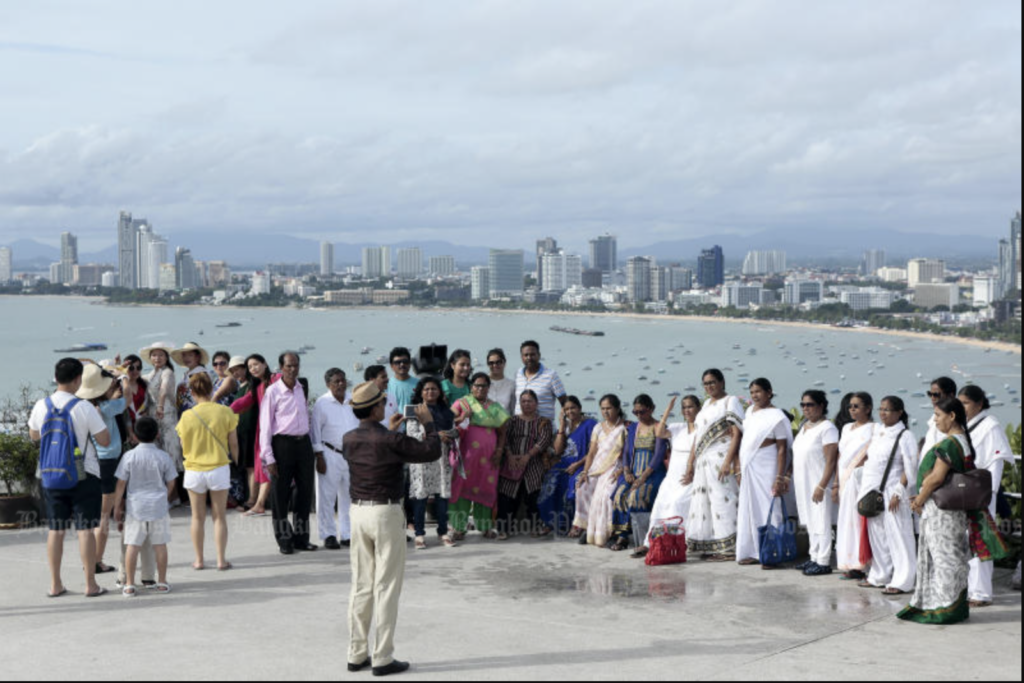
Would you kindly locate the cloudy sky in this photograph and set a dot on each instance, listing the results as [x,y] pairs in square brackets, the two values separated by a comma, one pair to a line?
[499,121]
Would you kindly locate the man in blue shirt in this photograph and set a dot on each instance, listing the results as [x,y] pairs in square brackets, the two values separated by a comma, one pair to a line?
[543,381]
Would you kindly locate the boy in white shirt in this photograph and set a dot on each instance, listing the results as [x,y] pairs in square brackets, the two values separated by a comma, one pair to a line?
[149,477]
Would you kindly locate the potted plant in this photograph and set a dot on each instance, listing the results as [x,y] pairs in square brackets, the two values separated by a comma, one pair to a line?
[19,458]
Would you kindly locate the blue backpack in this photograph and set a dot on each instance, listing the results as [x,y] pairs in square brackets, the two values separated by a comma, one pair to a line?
[57,448]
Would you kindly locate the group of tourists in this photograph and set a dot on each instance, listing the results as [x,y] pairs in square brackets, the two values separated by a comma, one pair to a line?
[515,455]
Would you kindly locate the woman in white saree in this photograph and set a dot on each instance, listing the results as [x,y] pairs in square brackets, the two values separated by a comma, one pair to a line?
[764,458]
[711,524]
[853,452]
[602,470]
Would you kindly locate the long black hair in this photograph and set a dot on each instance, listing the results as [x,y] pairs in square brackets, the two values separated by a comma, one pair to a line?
[255,382]
[132,360]
[953,406]
[457,355]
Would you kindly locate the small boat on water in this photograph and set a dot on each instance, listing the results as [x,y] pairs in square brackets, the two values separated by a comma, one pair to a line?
[82,348]
[230,325]
[578,333]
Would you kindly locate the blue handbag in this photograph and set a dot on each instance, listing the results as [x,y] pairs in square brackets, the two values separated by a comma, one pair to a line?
[778,544]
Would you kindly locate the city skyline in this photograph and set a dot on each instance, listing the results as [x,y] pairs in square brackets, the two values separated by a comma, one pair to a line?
[648,120]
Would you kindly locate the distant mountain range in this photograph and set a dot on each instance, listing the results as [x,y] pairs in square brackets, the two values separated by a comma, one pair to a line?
[817,246]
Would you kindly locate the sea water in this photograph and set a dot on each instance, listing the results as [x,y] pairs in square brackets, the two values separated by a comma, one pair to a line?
[658,357]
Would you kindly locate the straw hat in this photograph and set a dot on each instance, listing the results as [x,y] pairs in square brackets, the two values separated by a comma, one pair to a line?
[177,355]
[95,383]
[166,347]
[117,371]
[367,396]
[237,362]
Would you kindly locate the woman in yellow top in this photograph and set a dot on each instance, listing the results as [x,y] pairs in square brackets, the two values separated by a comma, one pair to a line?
[209,444]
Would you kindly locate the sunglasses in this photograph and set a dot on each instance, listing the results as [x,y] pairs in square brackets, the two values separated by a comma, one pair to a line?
[405,361]
[808,405]
[934,394]
[136,368]
[495,363]
[220,364]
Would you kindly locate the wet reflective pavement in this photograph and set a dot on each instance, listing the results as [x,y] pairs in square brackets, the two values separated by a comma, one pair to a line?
[527,610]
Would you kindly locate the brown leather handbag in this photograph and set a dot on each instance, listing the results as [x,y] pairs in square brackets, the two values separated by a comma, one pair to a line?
[965,492]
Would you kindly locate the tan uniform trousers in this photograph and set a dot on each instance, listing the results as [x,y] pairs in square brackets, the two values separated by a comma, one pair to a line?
[378,573]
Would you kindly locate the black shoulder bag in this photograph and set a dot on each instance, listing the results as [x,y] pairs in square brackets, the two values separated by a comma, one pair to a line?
[873,504]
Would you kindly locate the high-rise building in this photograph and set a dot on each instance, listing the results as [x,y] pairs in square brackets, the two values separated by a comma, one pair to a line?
[261,283]
[764,263]
[680,279]
[932,295]
[868,298]
[593,278]
[873,261]
[711,268]
[925,271]
[68,258]
[385,261]
[604,254]
[986,291]
[661,283]
[326,259]
[741,296]
[168,277]
[91,274]
[507,268]
[480,277]
[410,263]
[545,246]
[127,252]
[561,272]
[638,279]
[798,291]
[109,279]
[1005,268]
[218,273]
[442,266]
[6,265]
[153,253]
[373,268]
[1015,247]
[186,276]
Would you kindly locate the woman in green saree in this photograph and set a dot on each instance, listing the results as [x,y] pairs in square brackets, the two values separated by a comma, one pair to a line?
[942,563]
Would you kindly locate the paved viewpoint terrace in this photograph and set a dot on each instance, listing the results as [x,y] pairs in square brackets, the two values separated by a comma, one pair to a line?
[527,610]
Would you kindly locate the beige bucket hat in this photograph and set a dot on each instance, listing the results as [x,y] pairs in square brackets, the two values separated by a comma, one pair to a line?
[237,362]
[177,354]
[367,396]
[166,347]
[96,382]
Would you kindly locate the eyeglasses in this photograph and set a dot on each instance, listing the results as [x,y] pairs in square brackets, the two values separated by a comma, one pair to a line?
[495,363]
[808,405]
[404,361]
[220,364]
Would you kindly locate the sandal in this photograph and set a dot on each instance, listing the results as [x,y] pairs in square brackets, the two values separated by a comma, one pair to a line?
[575,533]
[867,584]
[421,543]
[640,553]
[501,537]
[619,546]
[718,559]
[979,604]
[491,535]
[749,562]
[59,594]
[130,592]
[543,532]
[448,542]
[104,569]
[226,568]
[459,536]
[162,588]
[892,592]
[98,594]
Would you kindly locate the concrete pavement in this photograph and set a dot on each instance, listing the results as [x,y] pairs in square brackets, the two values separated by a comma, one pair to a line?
[527,610]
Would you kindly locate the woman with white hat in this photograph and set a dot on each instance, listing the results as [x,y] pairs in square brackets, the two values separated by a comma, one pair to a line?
[102,388]
[162,387]
[194,359]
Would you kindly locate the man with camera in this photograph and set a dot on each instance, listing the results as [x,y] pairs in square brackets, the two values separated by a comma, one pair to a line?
[376,457]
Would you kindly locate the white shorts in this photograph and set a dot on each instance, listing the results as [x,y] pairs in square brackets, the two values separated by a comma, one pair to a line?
[204,482]
[137,533]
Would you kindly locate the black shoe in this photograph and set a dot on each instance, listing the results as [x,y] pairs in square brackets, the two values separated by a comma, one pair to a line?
[356,668]
[306,548]
[805,566]
[818,570]
[287,550]
[346,544]
[391,669]
[332,544]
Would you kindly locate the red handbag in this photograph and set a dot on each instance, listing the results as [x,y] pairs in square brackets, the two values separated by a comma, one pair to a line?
[668,543]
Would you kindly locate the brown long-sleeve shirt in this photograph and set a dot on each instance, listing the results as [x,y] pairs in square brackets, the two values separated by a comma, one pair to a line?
[376,458]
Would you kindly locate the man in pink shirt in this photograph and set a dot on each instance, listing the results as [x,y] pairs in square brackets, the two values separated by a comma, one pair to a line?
[287,451]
